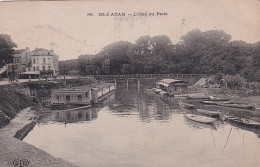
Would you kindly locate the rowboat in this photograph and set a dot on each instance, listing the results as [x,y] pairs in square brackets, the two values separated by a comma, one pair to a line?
[197,96]
[201,119]
[186,105]
[236,105]
[116,105]
[163,94]
[209,102]
[149,90]
[180,96]
[210,113]
[243,121]
[213,98]
[157,90]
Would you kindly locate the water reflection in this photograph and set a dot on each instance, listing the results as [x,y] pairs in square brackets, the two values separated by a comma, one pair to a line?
[141,129]
[77,115]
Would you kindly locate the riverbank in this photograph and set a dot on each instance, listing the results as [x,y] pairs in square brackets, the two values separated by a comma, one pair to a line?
[13,98]
[236,97]
[12,148]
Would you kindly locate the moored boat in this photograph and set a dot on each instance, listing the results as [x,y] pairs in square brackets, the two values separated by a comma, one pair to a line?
[243,121]
[202,119]
[116,105]
[157,90]
[210,113]
[198,96]
[213,98]
[181,96]
[186,105]
[209,102]
[236,105]
[163,94]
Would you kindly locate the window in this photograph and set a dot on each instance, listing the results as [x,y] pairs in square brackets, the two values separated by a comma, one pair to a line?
[37,61]
[80,114]
[43,68]
[79,98]
[38,69]
[68,98]
[49,67]
[33,61]
[44,60]
[67,115]
[33,68]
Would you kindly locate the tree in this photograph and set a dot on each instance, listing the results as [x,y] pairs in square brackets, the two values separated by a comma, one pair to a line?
[117,54]
[6,49]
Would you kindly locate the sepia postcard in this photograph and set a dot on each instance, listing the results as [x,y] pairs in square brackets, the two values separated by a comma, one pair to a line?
[130,83]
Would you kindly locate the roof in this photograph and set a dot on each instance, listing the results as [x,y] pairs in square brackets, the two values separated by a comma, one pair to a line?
[85,88]
[18,52]
[31,72]
[74,89]
[167,82]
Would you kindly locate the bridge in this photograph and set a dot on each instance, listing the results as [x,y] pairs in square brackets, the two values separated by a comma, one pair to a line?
[138,77]
[156,76]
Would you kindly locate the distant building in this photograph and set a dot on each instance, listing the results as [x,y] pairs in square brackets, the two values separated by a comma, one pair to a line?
[21,58]
[43,63]
[173,86]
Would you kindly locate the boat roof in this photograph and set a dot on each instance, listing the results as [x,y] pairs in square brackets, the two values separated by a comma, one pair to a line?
[73,89]
[85,88]
[167,82]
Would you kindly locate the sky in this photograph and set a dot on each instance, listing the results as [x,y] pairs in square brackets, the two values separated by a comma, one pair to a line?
[68,29]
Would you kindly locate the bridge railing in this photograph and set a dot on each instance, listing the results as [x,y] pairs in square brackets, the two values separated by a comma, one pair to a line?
[151,75]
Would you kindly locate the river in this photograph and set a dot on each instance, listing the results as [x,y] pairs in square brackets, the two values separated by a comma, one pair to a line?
[142,130]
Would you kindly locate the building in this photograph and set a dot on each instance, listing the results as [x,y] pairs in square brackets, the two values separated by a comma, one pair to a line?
[172,86]
[44,63]
[21,59]
[37,63]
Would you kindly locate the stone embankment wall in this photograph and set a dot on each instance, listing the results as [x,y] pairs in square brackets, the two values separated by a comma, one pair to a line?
[12,99]
[22,133]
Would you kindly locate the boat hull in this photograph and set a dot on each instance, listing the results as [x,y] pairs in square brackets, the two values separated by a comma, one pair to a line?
[210,113]
[243,121]
[186,105]
[201,119]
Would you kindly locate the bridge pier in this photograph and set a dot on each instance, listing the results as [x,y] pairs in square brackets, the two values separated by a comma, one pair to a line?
[127,84]
[115,82]
[138,84]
